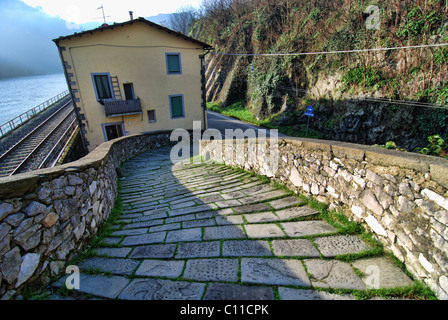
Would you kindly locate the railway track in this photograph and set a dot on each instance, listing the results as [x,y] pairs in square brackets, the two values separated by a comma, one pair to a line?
[32,150]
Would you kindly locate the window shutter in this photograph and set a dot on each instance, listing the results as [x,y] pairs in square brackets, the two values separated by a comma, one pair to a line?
[173,63]
[177,109]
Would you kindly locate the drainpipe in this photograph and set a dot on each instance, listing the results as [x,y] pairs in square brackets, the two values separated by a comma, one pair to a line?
[204,98]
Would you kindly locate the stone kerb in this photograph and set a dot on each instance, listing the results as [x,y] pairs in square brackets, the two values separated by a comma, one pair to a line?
[48,215]
[401,197]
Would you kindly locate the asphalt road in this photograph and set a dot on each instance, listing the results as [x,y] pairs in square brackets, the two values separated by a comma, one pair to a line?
[221,122]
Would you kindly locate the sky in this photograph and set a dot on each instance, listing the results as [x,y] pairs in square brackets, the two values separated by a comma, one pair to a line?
[83,11]
[28,27]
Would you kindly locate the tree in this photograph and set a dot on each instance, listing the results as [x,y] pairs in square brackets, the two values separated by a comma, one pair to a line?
[183,19]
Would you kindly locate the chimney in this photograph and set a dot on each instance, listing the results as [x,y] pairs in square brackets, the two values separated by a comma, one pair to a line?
[130,14]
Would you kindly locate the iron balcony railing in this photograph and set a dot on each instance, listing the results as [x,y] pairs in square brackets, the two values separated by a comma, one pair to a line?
[116,108]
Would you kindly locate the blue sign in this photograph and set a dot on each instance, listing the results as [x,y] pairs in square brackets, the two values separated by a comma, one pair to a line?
[309,111]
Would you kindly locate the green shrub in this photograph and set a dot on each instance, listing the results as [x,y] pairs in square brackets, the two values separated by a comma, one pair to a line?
[436,147]
[362,76]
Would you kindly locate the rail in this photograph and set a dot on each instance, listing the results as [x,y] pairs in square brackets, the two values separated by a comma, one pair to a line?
[24,117]
[18,165]
[59,147]
[31,154]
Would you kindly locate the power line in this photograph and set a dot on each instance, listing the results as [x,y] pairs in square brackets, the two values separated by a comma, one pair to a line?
[370,99]
[330,52]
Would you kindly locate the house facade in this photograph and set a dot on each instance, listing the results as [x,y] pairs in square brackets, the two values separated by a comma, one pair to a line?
[133,77]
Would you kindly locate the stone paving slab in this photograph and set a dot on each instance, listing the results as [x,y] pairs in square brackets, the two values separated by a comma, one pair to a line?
[144,239]
[199,223]
[160,268]
[130,232]
[180,205]
[228,203]
[274,272]
[306,228]
[165,227]
[224,232]
[153,251]
[285,202]
[268,230]
[198,249]
[226,220]
[245,248]
[180,218]
[252,208]
[262,197]
[261,217]
[156,289]
[116,266]
[194,209]
[101,286]
[212,270]
[333,246]
[258,189]
[194,234]
[333,274]
[381,273]
[294,247]
[143,224]
[295,212]
[113,252]
[112,240]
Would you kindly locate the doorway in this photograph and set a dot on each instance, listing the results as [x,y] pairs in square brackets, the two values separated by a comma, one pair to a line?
[128,91]
[113,130]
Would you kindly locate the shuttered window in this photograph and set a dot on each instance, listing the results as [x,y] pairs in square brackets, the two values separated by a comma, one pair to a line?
[151,115]
[177,106]
[102,86]
[173,63]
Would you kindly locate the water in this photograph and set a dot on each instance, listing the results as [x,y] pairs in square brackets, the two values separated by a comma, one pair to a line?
[18,95]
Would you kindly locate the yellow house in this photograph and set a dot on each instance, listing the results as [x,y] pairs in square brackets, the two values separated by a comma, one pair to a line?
[133,77]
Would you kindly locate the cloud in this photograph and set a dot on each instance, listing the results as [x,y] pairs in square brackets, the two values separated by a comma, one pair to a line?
[83,11]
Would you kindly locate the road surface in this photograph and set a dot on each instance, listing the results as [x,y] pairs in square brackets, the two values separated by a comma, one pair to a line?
[221,122]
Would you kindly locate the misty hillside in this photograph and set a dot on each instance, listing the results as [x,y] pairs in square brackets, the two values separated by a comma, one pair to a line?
[278,88]
[27,47]
[162,19]
[26,36]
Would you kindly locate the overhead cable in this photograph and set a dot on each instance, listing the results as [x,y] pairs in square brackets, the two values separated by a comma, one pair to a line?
[331,52]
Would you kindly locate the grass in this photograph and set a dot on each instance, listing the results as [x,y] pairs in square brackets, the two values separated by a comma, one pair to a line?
[239,111]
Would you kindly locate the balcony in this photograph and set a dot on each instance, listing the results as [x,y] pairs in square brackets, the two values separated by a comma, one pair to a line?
[116,108]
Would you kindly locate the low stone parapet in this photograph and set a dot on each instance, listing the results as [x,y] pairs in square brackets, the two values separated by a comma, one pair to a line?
[401,197]
[48,216]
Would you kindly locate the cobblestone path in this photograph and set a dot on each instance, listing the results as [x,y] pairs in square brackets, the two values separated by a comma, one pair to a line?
[208,232]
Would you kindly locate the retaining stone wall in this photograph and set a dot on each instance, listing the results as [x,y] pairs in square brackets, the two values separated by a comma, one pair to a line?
[401,197]
[47,216]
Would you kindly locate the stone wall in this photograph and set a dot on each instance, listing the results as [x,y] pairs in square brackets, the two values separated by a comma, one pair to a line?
[48,216]
[401,197]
